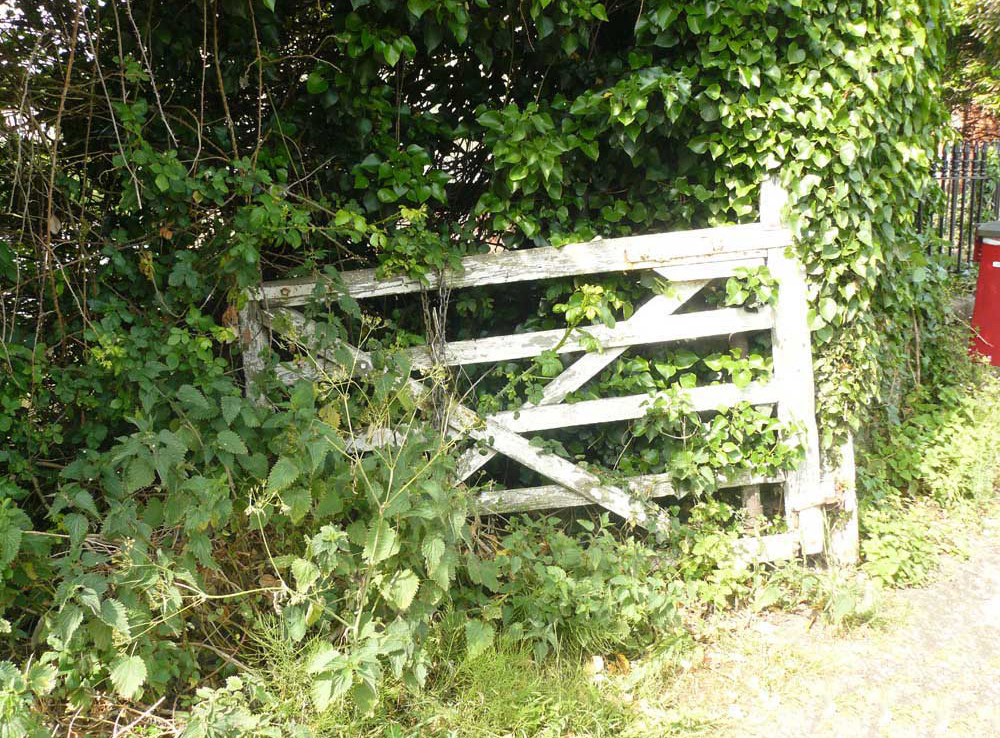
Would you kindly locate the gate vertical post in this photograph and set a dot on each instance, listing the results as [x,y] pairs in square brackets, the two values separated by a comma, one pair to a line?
[793,372]
[254,340]
[844,543]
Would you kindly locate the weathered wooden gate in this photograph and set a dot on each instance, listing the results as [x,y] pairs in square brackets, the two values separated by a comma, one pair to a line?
[689,260]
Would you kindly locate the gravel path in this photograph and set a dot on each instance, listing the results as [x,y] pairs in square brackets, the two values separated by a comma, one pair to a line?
[931,671]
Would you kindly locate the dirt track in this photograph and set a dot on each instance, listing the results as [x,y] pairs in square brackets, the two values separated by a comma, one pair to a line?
[931,670]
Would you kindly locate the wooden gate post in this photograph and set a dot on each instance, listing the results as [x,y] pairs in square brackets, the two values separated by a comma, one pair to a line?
[793,372]
[843,544]
[254,340]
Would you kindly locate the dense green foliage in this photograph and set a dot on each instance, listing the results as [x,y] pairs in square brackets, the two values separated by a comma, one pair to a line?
[934,452]
[971,76]
[158,158]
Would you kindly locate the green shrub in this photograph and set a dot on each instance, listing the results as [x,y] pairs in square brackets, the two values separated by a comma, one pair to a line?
[215,510]
[19,690]
[902,541]
[927,459]
[586,591]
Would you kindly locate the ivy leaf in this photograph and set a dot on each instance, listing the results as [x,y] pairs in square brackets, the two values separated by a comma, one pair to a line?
[229,441]
[665,370]
[828,309]
[684,358]
[742,377]
[490,119]
[380,542]
[128,674]
[814,320]
[848,153]
[316,83]
[478,637]
[269,4]
[433,35]
[401,589]
[283,473]
[419,7]
[391,54]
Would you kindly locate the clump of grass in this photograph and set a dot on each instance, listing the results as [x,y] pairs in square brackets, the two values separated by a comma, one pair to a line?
[504,692]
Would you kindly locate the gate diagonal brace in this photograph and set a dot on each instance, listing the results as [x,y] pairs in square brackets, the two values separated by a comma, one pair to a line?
[502,440]
[586,367]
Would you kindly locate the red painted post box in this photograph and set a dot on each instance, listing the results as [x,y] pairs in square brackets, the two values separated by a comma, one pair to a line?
[986,313]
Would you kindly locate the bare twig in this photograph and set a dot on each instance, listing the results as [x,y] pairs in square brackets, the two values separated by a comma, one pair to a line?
[149,69]
[145,714]
[222,85]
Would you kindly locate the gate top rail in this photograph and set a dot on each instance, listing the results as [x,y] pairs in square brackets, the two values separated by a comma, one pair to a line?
[680,248]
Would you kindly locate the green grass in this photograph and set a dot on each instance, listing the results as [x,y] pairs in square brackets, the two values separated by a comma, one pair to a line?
[502,693]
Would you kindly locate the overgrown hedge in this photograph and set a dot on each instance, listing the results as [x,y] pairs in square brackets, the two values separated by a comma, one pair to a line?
[157,158]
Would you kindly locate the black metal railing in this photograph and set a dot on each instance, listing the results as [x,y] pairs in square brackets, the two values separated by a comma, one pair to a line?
[968,173]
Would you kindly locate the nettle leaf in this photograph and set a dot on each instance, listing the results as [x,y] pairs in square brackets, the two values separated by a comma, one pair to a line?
[334,676]
[296,621]
[114,615]
[66,623]
[401,589]
[231,407]
[478,637]
[322,659]
[433,549]
[229,441]
[283,474]
[318,450]
[380,542]
[128,674]
[139,474]
[10,542]
[298,500]
[192,397]
[41,678]
[306,573]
